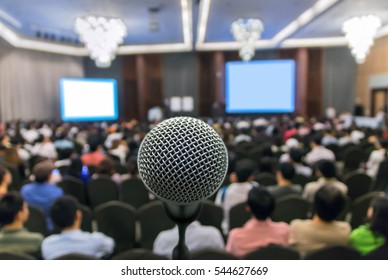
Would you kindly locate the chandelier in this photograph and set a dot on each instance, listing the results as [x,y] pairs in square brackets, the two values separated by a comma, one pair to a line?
[360,33]
[247,32]
[101,37]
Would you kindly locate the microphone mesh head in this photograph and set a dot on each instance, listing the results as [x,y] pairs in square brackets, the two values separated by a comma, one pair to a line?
[182,160]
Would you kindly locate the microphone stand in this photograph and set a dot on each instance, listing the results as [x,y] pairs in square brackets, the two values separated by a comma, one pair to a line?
[183,216]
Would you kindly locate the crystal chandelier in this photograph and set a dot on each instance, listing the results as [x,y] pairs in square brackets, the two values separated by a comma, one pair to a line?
[247,32]
[360,33]
[101,36]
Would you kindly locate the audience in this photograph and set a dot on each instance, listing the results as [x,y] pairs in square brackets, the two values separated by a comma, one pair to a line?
[198,237]
[371,236]
[94,156]
[106,169]
[323,229]
[66,215]
[41,193]
[260,230]
[13,236]
[284,176]
[376,157]
[5,180]
[318,152]
[326,173]
[296,156]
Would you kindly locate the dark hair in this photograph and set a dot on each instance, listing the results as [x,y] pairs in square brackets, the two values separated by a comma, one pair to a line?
[261,203]
[244,169]
[132,166]
[10,205]
[296,155]
[287,170]
[378,223]
[329,203]
[327,168]
[42,171]
[265,165]
[3,171]
[317,139]
[63,211]
[105,167]
[75,168]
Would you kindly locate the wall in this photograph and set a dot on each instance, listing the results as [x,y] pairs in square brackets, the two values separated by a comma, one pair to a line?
[376,64]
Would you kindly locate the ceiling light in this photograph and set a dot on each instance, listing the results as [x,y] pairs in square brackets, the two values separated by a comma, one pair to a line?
[101,36]
[360,33]
[247,32]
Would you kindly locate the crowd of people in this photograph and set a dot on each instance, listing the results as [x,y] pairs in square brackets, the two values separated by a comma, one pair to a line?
[35,156]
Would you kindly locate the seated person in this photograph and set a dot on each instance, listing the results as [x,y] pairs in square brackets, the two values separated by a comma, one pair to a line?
[326,173]
[296,160]
[259,231]
[322,230]
[67,216]
[13,236]
[371,236]
[318,152]
[5,180]
[198,237]
[237,191]
[284,176]
[41,193]
[106,169]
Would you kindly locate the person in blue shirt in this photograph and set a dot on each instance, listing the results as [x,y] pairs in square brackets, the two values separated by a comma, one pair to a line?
[40,193]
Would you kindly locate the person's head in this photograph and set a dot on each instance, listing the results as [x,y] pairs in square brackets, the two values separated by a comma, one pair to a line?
[265,165]
[65,213]
[244,170]
[260,203]
[75,167]
[296,155]
[43,170]
[13,209]
[285,172]
[379,216]
[329,202]
[105,167]
[326,168]
[5,176]
[315,141]
[132,167]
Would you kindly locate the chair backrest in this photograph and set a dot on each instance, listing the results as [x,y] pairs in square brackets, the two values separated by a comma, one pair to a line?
[117,220]
[380,253]
[63,169]
[273,252]
[334,252]
[381,182]
[212,255]
[358,184]
[87,218]
[101,190]
[360,208]
[335,149]
[138,254]
[211,215]
[291,207]
[36,221]
[16,177]
[13,256]
[265,179]
[343,216]
[76,256]
[353,157]
[134,192]
[302,180]
[238,216]
[74,187]
[152,219]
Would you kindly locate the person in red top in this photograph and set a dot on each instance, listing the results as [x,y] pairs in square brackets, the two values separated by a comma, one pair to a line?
[260,230]
[94,157]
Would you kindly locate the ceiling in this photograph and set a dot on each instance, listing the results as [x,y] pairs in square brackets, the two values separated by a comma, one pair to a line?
[183,25]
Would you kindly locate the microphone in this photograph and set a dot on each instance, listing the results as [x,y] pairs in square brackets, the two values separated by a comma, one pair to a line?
[182,161]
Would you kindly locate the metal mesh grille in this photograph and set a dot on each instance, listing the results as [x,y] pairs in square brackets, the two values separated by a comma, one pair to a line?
[182,160]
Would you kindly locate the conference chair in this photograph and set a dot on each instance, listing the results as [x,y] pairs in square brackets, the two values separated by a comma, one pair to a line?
[360,208]
[353,157]
[74,187]
[335,149]
[117,220]
[152,220]
[134,192]
[334,252]
[265,179]
[291,207]
[381,182]
[63,169]
[344,215]
[212,255]
[238,215]
[302,180]
[380,253]
[273,252]
[101,190]
[75,256]
[211,215]
[138,254]
[13,256]
[87,218]
[36,221]
[16,177]
[358,184]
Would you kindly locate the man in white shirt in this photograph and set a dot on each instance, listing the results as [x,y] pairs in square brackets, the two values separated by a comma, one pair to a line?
[66,215]
[318,152]
[198,237]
